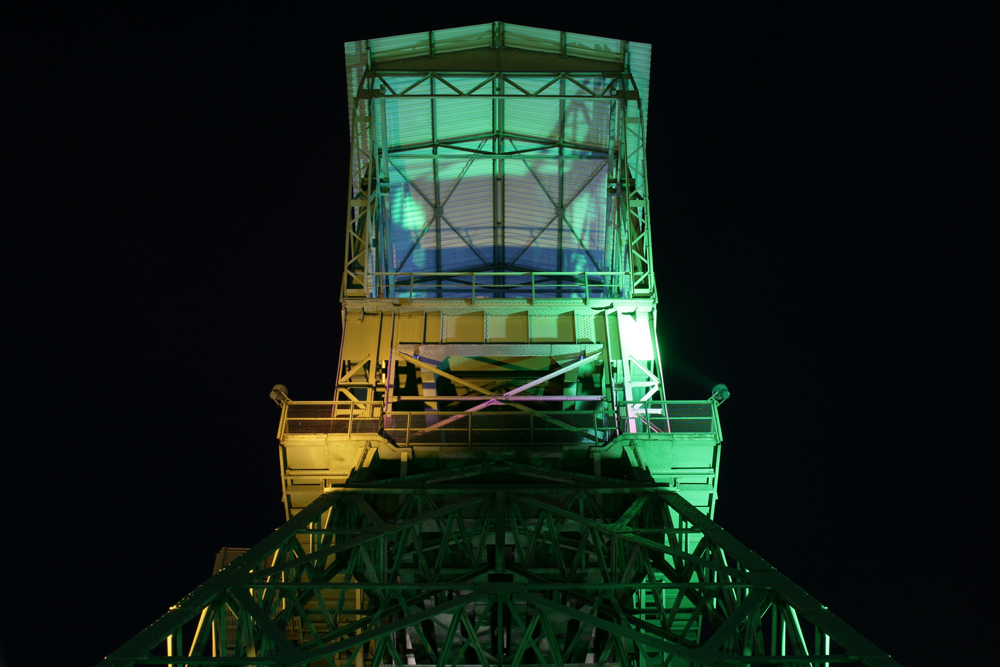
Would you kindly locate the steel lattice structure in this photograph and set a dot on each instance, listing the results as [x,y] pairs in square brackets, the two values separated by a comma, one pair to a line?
[498,480]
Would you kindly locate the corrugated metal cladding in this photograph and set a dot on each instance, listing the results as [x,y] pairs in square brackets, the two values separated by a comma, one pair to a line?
[464,230]
[448,210]
[459,39]
[534,234]
[587,122]
[640,56]
[461,119]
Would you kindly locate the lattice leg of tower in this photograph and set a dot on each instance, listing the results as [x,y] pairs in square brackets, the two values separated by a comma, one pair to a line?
[499,565]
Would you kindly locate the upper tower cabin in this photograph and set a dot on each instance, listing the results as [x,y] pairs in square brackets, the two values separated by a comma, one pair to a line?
[498,161]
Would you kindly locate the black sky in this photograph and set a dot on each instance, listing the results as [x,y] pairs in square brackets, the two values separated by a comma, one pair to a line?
[816,178]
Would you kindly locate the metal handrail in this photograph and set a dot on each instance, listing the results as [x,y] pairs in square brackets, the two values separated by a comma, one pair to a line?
[531,285]
[630,417]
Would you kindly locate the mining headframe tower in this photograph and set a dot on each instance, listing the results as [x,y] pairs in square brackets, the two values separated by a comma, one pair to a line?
[498,479]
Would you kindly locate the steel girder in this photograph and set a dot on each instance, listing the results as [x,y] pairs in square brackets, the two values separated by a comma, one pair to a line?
[499,564]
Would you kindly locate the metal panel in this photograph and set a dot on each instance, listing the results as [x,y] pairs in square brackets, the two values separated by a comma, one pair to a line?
[529,215]
[640,56]
[411,212]
[586,186]
[587,122]
[536,39]
[462,118]
[596,48]
[458,39]
[538,119]
[401,46]
[408,121]
[469,209]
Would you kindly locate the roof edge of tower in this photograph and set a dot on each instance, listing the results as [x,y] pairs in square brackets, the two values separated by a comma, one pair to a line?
[508,46]
[508,59]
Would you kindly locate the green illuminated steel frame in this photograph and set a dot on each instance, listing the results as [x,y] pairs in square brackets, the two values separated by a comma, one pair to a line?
[500,564]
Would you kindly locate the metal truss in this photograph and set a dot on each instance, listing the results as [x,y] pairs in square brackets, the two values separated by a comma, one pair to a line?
[490,85]
[499,564]
[627,187]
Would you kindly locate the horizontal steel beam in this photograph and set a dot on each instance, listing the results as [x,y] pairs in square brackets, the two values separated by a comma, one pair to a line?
[431,399]
[477,73]
[496,96]
[399,487]
[493,156]
[473,585]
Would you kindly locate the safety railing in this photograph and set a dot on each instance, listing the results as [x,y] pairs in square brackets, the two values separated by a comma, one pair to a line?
[342,417]
[499,425]
[496,284]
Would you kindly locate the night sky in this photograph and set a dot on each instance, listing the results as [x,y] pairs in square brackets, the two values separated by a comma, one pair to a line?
[815,183]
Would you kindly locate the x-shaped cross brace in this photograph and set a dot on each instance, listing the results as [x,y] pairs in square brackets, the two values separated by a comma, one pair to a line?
[493,398]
